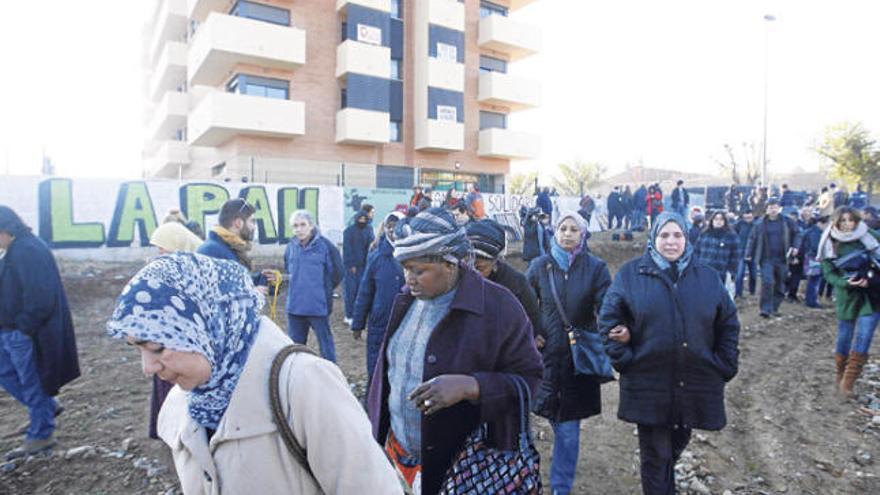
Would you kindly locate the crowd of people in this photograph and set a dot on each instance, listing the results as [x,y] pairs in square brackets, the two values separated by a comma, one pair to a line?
[460,345]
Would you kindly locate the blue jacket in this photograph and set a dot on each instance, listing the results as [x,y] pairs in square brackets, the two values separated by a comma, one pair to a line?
[383,279]
[680,198]
[534,242]
[215,247]
[810,242]
[356,244]
[683,345]
[858,200]
[756,248]
[563,395]
[544,203]
[640,198]
[315,270]
[33,301]
[719,250]
[743,230]
[787,199]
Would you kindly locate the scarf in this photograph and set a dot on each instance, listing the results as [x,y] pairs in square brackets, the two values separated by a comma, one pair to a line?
[175,237]
[238,245]
[860,233]
[661,262]
[193,303]
[564,258]
[432,232]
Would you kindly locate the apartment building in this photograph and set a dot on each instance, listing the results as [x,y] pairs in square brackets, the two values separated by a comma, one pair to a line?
[360,93]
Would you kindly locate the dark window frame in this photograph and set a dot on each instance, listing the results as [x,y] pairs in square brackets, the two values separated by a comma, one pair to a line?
[488,124]
[500,64]
[261,12]
[242,83]
[489,8]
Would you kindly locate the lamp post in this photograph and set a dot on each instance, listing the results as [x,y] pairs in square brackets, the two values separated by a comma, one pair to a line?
[768,18]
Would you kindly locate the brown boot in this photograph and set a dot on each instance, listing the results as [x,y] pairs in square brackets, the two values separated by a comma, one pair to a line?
[853,372]
[840,361]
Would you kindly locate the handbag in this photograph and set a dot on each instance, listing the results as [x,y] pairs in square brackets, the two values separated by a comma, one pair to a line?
[860,264]
[293,445]
[479,469]
[587,350]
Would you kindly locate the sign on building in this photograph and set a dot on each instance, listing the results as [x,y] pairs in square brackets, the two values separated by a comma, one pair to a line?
[369,34]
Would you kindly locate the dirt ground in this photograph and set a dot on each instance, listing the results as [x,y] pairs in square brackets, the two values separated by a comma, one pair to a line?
[788,431]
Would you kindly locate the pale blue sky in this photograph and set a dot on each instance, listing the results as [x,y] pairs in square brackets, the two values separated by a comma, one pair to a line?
[665,82]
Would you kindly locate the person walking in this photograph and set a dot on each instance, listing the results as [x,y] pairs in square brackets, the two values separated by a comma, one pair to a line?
[315,269]
[743,229]
[732,199]
[773,239]
[825,203]
[382,281]
[758,201]
[717,247]
[356,240]
[626,202]
[858,306]
[196,322]
[671,330]
[38,352]
[579,281]
[812,266]
[454,341]
[680,198]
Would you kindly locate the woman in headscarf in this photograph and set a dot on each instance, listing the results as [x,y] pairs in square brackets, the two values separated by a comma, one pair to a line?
[489,241]
[672,332]
[858,308]
[383,279]
[169,238]
[566,397]
[196,322]
[452,340]
[718,246]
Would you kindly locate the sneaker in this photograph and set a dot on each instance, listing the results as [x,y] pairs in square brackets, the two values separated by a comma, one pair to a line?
[31,447]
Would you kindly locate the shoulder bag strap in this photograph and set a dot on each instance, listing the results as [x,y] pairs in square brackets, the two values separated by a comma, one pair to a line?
[559,308]
[293,445]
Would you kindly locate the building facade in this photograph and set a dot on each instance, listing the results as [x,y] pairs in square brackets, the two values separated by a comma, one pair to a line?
[366,93]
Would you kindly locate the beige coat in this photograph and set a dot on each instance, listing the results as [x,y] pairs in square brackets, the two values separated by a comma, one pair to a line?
[246,453]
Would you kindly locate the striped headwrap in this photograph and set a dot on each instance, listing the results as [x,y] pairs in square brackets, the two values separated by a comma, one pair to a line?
[432,232]
[487,237]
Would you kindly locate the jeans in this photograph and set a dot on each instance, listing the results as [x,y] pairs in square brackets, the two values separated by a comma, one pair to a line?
[772,284]
[659,449]
[680,209]
[352,282]
[863,327]
[19,377]
[566,440]
[298,329]
[811,298]
[741,275]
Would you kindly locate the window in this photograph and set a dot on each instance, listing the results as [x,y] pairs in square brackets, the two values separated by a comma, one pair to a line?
[447,52]
[396,69]
[261,12]
[492,120]
[395,131]
[343,98]
[344,31]
[397,9]
[489,8]
[492,64]
[259,86]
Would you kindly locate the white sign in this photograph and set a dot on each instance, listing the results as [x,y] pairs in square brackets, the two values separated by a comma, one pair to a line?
[447,113]
[369,34]
[447,53]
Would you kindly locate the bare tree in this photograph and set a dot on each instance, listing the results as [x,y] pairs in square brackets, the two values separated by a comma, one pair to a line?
[742,165]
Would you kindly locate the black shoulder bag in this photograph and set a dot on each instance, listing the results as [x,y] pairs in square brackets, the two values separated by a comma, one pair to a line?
[587,351]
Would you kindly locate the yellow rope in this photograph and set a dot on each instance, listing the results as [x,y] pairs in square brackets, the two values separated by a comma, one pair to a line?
[276,289]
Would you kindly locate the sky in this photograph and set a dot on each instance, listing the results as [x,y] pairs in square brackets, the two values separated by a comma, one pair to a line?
[665,84]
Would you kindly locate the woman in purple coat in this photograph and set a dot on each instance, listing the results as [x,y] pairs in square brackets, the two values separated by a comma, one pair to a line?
[452,339]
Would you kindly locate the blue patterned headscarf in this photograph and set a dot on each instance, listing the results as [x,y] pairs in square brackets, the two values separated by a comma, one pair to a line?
[432,232]
[661,220]
[193,303]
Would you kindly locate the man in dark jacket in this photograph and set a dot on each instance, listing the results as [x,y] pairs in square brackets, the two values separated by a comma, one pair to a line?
[356,240]
[858,199]
[544,202]
[533,235]
[38,353]
[839,195]
[772,241]
[490,241]
[680,198]
[640,198]
[232,239]
[614,214]
[382,281]
[743,229]
[787,199]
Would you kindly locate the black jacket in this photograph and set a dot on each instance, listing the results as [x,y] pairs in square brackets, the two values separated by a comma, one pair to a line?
[564,396]
[514,281]
[683,346]
[757,245]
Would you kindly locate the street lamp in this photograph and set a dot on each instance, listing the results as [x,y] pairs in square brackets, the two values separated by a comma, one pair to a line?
[768,18]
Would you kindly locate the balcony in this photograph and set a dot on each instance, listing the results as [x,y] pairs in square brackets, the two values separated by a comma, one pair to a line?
[445,74]
[224,41]
[169,155]
[504,35]
[170,72]
[436,135]
[361,58]
[198,10]
[511,145]
[357,126]
[169,116]
[446,13]
[380,5]
[168,25]
[513,92]
[221,116]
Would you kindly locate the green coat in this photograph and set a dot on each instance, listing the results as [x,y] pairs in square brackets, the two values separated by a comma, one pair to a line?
[851,302]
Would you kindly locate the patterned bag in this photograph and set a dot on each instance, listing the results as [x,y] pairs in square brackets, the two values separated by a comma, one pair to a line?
[480,470]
